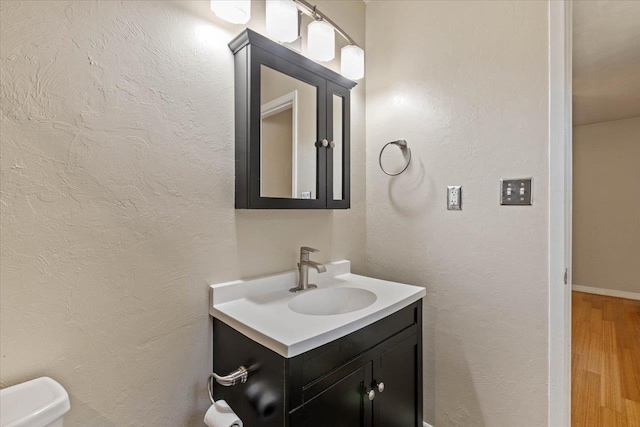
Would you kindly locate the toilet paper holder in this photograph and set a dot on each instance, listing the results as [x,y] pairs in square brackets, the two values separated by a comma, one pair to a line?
[239,376]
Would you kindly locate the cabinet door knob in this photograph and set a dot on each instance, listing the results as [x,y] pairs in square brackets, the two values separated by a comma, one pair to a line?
[325,142]
[381,387]
[332,144]
[371,394]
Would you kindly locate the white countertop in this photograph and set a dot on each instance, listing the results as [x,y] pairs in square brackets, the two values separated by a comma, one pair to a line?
[259,308]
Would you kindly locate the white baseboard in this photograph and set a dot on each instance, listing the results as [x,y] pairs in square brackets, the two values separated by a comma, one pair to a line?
[607,292]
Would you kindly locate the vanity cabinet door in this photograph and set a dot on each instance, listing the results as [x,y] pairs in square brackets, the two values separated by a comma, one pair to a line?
[398,368]
[343,404]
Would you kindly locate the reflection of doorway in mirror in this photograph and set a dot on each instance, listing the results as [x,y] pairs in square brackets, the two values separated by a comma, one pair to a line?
[278,148]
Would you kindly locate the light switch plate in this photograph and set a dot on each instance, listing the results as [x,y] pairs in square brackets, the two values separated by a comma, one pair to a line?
[454,198]
[516,192]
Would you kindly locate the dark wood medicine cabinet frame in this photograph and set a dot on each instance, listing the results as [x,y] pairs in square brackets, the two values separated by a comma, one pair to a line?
[251,51]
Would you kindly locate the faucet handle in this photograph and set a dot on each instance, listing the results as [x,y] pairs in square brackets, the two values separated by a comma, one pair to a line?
[307,250]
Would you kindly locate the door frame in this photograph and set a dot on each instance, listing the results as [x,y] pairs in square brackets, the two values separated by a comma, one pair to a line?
[560,207]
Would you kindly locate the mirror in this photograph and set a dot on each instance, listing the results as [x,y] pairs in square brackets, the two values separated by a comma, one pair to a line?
[337,147]
[288,135]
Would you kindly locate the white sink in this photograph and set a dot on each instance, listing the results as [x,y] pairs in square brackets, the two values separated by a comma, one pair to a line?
[290,324]
[326,302]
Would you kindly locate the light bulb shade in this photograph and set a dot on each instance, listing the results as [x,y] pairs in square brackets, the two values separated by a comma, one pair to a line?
[234,11]
[321,41]
[282,20]
[352,62]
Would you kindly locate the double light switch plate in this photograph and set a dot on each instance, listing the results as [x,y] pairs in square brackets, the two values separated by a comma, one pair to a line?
[517,192]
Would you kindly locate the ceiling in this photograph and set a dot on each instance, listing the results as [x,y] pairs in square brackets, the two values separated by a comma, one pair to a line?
[606,60]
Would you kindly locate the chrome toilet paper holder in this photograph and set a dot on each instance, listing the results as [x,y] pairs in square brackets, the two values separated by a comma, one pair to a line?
[239,376]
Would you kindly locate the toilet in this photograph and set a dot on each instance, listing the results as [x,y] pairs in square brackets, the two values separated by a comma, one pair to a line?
[41,402]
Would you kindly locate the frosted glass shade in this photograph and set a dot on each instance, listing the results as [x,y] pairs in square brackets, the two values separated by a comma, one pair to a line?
[234,11]
[282,20]
[321,41]
[352,62]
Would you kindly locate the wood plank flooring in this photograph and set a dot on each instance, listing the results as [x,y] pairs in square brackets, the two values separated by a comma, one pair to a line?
[605,366]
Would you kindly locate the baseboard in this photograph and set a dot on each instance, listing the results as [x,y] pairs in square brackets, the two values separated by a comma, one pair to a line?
[607,292]
[424,424]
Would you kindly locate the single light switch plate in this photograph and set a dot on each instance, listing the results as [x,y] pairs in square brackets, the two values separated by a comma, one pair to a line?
[454,198]
[516,192]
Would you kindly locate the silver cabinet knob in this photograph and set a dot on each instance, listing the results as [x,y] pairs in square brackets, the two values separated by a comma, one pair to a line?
[381,387]
[332,144]
[371,394]
[325,142]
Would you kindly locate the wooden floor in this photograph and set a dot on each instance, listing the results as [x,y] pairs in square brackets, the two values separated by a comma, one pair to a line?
[605,389]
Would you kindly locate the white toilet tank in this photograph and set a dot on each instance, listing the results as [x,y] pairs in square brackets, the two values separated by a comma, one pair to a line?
[37,403]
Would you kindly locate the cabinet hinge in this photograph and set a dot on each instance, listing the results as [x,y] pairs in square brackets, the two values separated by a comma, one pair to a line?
[566,276]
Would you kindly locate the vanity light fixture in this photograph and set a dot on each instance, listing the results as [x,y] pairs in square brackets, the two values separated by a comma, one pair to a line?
[352,62]
[234,11]
[282,20]
[321,41]
[352,65]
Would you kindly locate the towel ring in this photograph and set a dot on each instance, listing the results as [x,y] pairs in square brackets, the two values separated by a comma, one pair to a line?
[402,144]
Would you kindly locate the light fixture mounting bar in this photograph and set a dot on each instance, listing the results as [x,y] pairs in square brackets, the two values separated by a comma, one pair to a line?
[312,11]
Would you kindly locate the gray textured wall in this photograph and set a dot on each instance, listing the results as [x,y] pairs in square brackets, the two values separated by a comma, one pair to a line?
[466,84]
[117,201]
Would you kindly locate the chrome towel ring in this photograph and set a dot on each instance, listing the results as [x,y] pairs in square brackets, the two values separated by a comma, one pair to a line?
[402,144]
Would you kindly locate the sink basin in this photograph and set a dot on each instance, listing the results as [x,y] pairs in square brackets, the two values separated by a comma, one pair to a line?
[264,310]
[330,301]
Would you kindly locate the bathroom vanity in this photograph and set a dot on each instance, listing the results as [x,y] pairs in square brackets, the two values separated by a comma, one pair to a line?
[348,353]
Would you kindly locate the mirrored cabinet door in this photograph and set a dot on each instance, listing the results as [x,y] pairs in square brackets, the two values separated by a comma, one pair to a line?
[338,157]
[286,140]
[337,146]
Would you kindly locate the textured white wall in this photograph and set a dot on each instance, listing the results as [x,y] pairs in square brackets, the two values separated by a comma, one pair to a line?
[466,84]
[117,201]
[606,205]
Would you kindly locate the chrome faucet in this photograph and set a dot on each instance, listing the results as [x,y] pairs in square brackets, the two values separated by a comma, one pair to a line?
[303,270]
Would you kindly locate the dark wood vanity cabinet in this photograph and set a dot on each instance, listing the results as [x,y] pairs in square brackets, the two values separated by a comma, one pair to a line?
[292,129]
[370,378]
